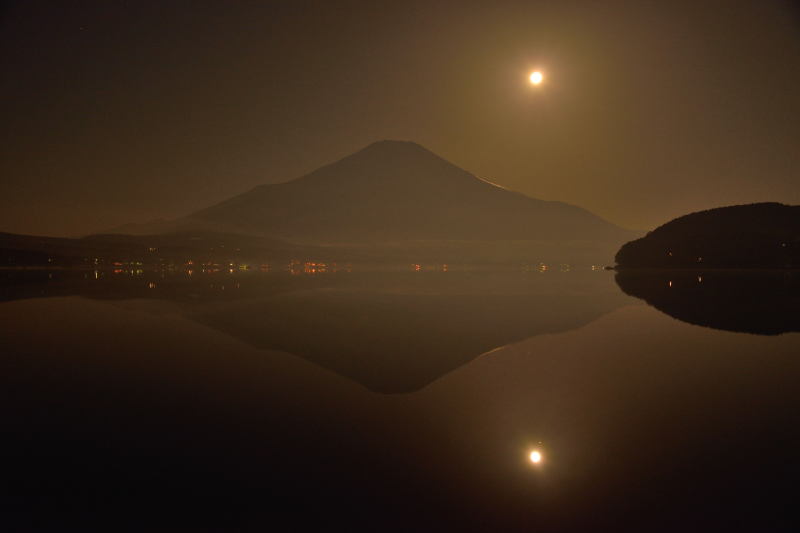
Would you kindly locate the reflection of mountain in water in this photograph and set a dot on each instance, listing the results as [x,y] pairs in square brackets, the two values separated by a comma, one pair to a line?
[389,332]
[762,302]
[400,338]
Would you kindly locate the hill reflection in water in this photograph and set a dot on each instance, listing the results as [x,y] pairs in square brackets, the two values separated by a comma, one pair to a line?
[763,302]
[390,332]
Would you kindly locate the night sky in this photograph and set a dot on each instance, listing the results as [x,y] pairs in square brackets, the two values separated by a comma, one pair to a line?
[116,112]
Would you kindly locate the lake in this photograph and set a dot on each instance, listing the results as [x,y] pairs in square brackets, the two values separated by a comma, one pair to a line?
[400,400]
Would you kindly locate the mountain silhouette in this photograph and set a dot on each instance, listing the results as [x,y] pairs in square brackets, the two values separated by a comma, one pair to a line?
[741,236]
[102,250]
[395,191]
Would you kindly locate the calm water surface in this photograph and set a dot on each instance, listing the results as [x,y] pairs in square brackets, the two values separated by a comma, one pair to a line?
[406,401]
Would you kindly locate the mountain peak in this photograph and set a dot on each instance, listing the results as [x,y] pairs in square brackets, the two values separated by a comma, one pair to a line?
[395,146]
[390,161]
[392,150]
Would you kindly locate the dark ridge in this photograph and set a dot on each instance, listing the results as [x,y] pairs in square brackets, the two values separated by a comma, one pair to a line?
[103,250]
[763,235]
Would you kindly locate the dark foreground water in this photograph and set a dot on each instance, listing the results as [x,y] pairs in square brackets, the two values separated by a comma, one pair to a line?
[406,401]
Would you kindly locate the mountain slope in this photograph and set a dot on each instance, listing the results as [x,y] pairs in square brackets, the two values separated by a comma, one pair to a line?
[398,191]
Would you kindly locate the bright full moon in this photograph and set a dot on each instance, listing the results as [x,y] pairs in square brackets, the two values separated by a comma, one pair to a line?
[536,457]
[536,77]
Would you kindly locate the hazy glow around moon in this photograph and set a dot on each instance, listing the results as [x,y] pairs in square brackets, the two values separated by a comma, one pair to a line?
[535,456]
[536,77]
